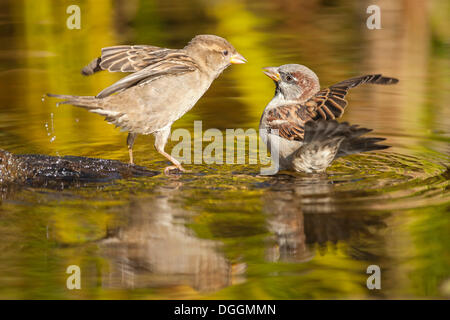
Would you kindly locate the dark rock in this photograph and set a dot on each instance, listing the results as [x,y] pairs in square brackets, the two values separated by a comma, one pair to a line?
[36,169]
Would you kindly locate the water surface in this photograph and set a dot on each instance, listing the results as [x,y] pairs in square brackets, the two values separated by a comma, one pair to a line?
[223,231]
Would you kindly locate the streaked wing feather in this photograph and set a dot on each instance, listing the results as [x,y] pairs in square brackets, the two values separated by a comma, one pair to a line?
[370,78]
[151,73]
[135,58]
[289,120]
[330,103]
[147,62]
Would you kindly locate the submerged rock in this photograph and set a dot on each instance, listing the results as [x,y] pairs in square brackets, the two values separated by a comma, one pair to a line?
[36,169]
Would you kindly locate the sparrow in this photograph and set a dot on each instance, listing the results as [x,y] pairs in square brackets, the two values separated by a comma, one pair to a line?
[163,85]
[299,122]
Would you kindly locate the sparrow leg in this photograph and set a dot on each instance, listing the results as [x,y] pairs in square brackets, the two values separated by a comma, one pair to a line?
[160,142]
[130,143]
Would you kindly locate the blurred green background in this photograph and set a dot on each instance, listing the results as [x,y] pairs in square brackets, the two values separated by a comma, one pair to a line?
[223,231]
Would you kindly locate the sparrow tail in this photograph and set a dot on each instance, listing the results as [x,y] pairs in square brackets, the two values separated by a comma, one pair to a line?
[326,140]
[350,138]
[87,102]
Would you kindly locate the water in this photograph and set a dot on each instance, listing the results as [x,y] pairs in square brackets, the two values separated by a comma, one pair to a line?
[223,231]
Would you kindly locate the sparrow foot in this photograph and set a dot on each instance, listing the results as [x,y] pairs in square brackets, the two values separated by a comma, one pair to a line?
[173,170]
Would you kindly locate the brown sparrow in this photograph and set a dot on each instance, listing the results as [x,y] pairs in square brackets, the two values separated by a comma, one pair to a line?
[163,86]
[308,137]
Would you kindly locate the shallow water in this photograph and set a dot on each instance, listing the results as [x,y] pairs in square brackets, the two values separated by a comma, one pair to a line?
[224,231]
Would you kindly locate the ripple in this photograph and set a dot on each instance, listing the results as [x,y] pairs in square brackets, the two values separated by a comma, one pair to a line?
[383,181]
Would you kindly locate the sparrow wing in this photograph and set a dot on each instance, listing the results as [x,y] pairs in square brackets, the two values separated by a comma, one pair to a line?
[150,73]
[131,58]
[147,62]
[289,120]
[330,103]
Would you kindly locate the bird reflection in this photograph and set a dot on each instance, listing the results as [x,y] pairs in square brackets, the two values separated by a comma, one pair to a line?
[156,249]
[304,212]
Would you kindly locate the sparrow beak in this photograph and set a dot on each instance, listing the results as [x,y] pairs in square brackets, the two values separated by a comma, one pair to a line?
[272,73]
[237,59]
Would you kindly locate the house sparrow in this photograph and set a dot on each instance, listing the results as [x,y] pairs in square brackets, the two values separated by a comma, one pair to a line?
[308,137]
[163,86]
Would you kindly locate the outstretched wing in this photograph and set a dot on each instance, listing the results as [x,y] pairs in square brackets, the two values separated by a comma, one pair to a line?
[330,103]
[327,104]
[147,62]
[131,58]
[151,73]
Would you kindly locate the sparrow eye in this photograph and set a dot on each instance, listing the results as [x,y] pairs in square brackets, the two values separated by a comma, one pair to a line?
[289,78]
[225,53]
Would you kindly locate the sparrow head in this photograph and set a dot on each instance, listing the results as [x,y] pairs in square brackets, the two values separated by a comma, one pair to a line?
[294,82]
[213,53]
